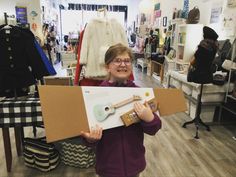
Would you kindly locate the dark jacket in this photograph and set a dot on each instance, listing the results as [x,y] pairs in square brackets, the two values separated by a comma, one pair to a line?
[120,152]
[204,57]
[20,62]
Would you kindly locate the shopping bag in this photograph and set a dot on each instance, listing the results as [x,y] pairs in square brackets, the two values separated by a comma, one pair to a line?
[40,155]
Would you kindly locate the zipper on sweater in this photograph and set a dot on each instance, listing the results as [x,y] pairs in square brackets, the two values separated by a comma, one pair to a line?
[123,150]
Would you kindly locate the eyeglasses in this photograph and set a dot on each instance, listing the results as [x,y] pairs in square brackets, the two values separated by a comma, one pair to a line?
[119,61]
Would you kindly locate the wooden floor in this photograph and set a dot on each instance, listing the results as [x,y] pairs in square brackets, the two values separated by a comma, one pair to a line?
[173,152]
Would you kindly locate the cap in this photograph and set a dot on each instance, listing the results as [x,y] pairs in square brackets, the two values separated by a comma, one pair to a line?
[209,33]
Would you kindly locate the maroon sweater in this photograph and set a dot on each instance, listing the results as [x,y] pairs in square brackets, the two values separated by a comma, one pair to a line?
[120,152]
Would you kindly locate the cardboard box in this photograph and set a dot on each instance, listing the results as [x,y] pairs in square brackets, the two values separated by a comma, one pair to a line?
[68,110]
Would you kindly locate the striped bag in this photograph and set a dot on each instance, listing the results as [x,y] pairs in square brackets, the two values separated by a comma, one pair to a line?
[74,152]
[40,155]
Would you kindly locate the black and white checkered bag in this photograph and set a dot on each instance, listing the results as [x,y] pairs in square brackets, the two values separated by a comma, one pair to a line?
[40,155]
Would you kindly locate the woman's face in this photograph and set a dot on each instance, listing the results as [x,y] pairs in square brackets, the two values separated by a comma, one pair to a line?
[120,68]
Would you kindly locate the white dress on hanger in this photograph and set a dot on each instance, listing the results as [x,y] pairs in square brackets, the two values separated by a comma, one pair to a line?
[99,35]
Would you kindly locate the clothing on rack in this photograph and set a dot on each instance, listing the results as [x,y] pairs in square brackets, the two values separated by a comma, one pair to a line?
[20,63]
[78,66]
[45,59]
[204,57]
[99,34]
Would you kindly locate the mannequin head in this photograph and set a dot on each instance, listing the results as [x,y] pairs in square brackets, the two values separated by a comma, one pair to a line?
[209,33]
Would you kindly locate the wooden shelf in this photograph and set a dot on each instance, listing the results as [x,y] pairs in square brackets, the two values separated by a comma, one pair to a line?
[157,68]
[180,44]
[181,62]
[168,59]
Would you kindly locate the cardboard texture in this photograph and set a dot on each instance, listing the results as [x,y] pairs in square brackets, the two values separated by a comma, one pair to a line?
[170,101]
[57,80]
[64,111]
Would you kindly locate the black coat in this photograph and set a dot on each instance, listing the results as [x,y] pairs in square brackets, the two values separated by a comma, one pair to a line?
[20,62]
[204,57]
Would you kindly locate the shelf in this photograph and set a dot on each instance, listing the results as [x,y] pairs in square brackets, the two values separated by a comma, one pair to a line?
[169,60]
[232,97]
[178,20]
[156,76]
[180,44]
[181,62]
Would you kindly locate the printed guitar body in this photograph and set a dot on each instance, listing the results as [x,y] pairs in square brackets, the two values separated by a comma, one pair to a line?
[101,112]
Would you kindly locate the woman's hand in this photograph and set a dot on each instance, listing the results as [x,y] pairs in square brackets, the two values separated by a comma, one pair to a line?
[94,135]
[144,112]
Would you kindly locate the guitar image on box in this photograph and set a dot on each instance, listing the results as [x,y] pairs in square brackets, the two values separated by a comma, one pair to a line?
[101,112]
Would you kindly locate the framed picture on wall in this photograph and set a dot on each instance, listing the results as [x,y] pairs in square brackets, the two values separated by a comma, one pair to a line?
[21,15]
[164,22]
[231,3]
[157,6]
[157,13]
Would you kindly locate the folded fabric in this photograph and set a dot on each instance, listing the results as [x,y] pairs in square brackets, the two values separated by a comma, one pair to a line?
[228,65]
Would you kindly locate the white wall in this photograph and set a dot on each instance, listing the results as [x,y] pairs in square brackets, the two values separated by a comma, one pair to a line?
[8,6]
[205,7]
[167,7]
[132,6]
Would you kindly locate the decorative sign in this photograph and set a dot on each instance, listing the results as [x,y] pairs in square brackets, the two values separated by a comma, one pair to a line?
[21,15]
[157,6]
[231,3]
[229,26]
[33,13]
[34,26]
[185,9]
[215,13]
[164,21]
[157,13]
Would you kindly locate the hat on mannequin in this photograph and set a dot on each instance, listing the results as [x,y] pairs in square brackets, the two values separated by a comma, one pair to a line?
[209,33]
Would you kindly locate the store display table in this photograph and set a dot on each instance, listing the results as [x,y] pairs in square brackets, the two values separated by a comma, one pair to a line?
[212,95]
[18,114]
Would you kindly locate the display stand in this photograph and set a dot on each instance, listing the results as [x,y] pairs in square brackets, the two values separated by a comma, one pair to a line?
[197,120]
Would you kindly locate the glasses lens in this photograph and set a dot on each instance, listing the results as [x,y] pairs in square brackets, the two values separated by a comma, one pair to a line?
[119,61]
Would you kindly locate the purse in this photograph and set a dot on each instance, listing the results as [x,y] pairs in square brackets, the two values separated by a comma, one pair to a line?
[40,155]
[219,78]
[191,73]
[193,16]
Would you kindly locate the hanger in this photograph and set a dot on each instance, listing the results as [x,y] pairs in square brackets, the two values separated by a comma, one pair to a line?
[102,10]
[6,27]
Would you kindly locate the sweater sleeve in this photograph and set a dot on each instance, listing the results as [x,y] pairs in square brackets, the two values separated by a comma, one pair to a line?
[151,128]
[86,45]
